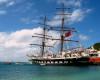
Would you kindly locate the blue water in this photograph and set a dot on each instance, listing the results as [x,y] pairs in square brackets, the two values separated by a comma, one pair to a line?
[33,72]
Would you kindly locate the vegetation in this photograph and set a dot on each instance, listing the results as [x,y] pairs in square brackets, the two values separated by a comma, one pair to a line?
[96,46]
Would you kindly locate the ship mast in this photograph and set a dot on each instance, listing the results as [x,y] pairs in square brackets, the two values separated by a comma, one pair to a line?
[63,28]
[44,37]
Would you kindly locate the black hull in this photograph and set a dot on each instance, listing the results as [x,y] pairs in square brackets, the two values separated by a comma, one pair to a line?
[83,61]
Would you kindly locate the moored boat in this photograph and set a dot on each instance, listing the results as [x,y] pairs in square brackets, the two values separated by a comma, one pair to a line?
[94,58]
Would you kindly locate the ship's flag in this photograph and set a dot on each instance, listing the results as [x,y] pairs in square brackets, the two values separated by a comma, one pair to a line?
[69,33]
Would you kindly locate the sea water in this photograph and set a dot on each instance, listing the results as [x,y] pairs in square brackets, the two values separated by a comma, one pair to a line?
[34,72]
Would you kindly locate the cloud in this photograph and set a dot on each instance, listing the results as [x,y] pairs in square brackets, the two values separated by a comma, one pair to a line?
[76,16]
[56,20]
[15,46]
[4,4]
[3,1]
[11,3]
[7,2]
[26,7]
[84,37]
[28,20]
[78,13]
[74,3]
[3,12]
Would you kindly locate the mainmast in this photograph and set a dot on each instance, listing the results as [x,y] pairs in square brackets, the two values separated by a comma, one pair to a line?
[62,26]
[44,36]
[63,29]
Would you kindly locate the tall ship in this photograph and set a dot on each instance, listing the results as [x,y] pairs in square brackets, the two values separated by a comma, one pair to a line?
[67,55]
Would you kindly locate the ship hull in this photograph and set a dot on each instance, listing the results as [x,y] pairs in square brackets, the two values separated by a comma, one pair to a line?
[83,61]
[94,60]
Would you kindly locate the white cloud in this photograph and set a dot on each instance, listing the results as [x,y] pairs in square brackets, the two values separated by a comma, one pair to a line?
[11,3]
[3,12]
[74,3]
[84,37]
[76,16]
[20,38]
[26,7]
[3,1]
[7,3]
[15,46]
[78,13]
[28,20]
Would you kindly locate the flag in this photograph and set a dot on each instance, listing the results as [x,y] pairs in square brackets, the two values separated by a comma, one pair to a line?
[67,34]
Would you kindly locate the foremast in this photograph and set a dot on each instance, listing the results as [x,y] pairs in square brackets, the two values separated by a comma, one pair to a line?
[43,36]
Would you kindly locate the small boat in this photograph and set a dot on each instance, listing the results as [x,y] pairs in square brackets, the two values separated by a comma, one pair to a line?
[94,58]
[8,63]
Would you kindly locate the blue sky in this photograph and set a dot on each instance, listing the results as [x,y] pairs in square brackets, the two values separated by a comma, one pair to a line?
[90,25]
[17,17]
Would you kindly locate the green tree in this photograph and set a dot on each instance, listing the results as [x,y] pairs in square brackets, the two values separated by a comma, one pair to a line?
[96,46]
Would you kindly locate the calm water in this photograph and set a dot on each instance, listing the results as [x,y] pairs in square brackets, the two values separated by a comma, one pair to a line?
[33,72]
